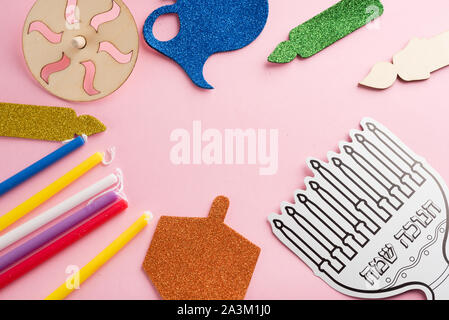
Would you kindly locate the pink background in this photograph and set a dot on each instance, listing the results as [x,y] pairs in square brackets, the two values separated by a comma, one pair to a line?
[314,103]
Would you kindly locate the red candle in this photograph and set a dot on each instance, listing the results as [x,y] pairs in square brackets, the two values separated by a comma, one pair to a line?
[41,256]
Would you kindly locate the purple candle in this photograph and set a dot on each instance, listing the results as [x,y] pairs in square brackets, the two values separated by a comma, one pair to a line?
[52,233]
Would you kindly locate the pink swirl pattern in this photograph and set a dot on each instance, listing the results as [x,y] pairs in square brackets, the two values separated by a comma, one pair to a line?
[115,53]
[89,77]
[43,29]
[71,15]
[57,66]
[106,16]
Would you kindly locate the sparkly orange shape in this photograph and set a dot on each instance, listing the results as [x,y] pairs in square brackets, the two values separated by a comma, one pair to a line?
[200,258]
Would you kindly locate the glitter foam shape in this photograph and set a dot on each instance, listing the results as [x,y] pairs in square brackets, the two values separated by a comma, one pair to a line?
[207,27]
[45,123]
[200,258]
[326,28]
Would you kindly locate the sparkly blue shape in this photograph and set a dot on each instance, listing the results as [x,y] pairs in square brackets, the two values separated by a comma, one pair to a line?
[207,27]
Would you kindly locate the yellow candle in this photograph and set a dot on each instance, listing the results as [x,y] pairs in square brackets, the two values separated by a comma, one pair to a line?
[39,198]
[104,256]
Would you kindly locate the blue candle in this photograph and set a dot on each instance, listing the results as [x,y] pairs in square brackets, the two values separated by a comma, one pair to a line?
[40,165]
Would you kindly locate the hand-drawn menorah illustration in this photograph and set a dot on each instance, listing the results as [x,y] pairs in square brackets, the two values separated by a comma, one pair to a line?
[80,50]
[372,221]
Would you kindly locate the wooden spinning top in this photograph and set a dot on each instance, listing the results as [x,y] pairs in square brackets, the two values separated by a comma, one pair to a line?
[80,50]
[200,258]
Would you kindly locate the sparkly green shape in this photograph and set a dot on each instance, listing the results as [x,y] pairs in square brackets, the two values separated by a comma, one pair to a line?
[326,28]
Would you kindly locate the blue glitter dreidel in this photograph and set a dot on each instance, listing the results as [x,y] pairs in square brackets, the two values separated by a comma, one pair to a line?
[207,27]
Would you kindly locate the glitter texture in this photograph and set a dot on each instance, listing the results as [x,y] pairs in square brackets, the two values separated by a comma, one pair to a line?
[326,28]
[45,123]
[207,27]
[200,258]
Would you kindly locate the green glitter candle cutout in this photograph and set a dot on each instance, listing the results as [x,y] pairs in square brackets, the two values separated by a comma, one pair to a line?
[326,28]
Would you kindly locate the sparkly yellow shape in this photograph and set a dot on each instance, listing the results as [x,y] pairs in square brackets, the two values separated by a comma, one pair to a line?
[45,123]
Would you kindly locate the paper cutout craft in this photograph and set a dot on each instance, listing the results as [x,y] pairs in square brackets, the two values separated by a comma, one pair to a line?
[416,62]
[80,50]
[207,28]
[326,28]
[372,222]
[45,123]
[200,258]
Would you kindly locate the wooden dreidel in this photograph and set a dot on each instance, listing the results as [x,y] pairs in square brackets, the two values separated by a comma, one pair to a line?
[200,258]
[80,50]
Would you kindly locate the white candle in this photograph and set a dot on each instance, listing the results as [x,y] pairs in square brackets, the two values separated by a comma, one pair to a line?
[53,213]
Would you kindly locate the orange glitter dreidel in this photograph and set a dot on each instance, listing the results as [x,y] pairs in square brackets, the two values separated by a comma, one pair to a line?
[200,258]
